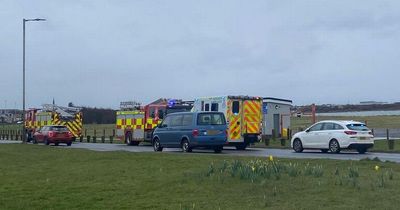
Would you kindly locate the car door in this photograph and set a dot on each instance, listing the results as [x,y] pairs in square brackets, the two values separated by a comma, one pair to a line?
[174,131]
[311,136]
[325,135]
[162,129]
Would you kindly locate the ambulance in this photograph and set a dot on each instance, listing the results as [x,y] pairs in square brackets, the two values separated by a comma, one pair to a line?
[243,115]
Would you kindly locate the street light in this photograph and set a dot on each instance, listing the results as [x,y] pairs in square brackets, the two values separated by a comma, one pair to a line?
[23,75]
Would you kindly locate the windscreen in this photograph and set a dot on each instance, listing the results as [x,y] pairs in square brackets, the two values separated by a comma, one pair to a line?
[357,127]
[211,119]
[59,128]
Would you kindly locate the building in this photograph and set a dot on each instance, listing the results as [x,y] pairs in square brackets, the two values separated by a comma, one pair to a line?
[276,117]
[10,115]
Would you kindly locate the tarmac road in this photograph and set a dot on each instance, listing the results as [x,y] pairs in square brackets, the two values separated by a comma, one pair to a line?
[255,152]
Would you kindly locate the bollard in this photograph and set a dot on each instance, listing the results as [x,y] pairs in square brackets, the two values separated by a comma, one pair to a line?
[390,141]
[88,139]
[103,139]
[265,139]
[273,133]
[111,139]
[283,142]
[16,137]
[94,139]
[81,138]
[85,132]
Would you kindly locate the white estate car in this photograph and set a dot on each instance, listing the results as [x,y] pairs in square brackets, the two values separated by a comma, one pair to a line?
[334,135]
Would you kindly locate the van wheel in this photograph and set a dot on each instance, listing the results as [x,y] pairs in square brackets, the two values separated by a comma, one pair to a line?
[241,146]
[186,146]
[69,144]
[128,139]
[218,149]
[297,146]
[334,146]
[56,143]
[156,145]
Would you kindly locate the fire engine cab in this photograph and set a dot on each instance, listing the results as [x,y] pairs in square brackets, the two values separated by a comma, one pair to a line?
[136,123]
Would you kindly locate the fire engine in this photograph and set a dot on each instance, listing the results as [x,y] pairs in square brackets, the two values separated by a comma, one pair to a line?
[136,123]
[52,114]
[243,115]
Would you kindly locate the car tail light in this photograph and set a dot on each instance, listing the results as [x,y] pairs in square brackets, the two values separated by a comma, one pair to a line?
[195,132]
[350,132]
[52,134]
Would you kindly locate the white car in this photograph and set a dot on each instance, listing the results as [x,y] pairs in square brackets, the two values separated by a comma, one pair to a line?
[332,135]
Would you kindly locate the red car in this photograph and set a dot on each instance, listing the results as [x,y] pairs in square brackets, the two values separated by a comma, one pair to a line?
[53,134]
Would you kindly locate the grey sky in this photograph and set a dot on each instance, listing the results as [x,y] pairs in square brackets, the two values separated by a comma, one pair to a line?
[99,53]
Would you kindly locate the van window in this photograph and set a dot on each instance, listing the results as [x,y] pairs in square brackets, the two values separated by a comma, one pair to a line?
[161,114]
[207,107]
[187,119]
[166,122]
[214,107]
[176,120]
[235,107]
[210,119]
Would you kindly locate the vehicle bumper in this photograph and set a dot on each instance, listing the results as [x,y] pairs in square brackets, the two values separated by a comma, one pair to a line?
[205,142]
[360,146]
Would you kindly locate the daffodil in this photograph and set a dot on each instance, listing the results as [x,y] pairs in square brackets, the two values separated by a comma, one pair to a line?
[253,168]
[376,168]
[271,158]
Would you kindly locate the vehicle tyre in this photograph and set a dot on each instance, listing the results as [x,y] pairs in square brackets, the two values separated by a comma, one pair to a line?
[334,146]
[69,144]
[56,143]
[361,150]
[34,141]
[128,139]
[218,149]
[46,142]
[324,150]
[241,146]
[186,146]
[156,145]
[297,145]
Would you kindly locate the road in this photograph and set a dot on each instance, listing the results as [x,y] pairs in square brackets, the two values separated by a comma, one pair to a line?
[252,152]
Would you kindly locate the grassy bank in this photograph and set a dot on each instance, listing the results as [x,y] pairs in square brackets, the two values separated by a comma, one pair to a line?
[38,177]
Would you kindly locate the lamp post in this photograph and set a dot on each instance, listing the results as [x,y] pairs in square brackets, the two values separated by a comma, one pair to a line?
[23,75]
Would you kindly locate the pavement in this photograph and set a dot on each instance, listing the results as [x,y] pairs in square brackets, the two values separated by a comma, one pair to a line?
[231,151]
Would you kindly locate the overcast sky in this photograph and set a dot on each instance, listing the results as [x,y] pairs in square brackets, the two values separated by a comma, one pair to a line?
[101,52]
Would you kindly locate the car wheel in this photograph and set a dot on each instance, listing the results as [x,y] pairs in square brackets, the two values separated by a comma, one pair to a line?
[324,150]
[156,145]
[361,150]
[56,143]
[218,149]
[186,146]
[241,146]
[69,144]
[334,146]
[46,142]
[297,145]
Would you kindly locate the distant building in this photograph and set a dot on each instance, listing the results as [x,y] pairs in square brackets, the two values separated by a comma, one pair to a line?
[276,116]
[372,103]
[10,115]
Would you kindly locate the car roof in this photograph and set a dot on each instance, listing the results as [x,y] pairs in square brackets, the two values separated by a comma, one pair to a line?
[343,122]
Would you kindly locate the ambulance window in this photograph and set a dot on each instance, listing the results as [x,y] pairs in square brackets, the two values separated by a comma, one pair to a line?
[235,107]
[214,107]
[207,107]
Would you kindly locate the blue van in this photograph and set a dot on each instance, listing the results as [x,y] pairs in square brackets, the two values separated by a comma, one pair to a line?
[188,130]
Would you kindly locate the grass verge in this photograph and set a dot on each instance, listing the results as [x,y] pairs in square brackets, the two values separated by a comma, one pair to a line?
[38,177]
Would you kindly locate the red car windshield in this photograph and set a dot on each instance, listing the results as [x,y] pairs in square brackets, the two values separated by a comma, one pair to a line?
[59,128]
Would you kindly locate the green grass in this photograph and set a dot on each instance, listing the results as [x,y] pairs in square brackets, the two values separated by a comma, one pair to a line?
[39,177]
[372,121]
[382,146]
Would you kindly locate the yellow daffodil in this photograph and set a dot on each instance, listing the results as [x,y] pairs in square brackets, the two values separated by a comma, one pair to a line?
[271,158]
[376,168]
[253,168]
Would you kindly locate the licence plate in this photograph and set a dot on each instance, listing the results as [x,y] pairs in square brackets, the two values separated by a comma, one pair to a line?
[212,132]
[363,138]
